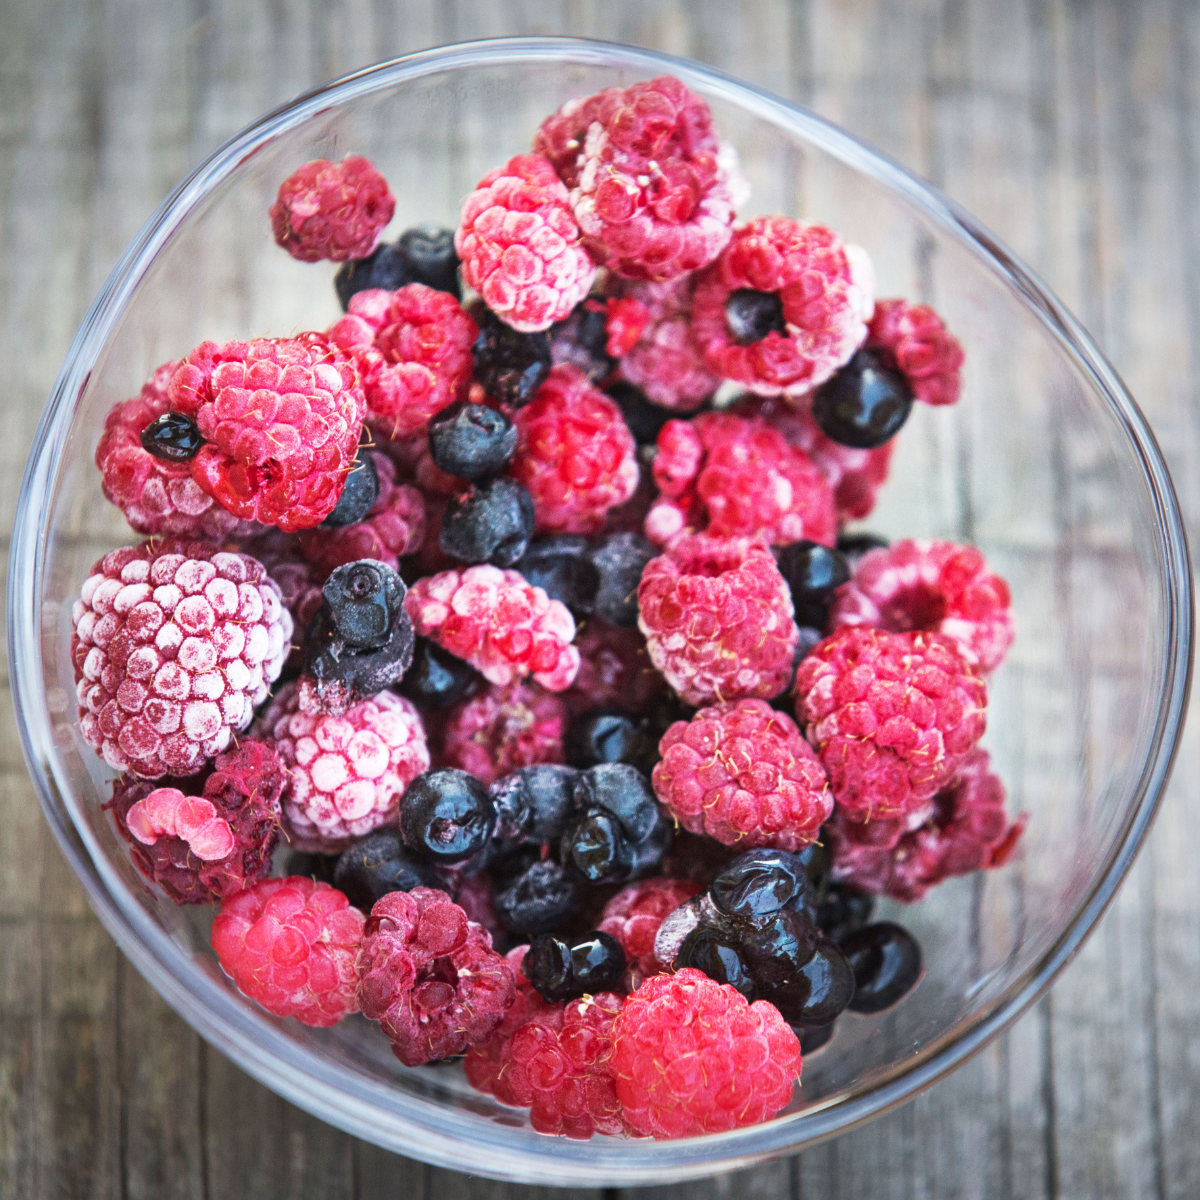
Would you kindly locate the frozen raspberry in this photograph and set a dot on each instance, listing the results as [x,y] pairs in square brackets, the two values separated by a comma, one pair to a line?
[291,944]
[175,643]
[412,350]
[502,626]
[332,210]
[937,586]
[717,617]
[926,352]
[650,183]
[503,728]
[347,773]
[281,420]
[394,527]
[633,916]
[626,318]
[741,773]
[825,292]
[614,669]
[732,476]
[691,1056]
[964,829]
[430,977]
[891,715]
[519,245]
[575,455]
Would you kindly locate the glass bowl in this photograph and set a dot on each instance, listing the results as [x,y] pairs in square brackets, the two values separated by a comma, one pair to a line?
[1046,464]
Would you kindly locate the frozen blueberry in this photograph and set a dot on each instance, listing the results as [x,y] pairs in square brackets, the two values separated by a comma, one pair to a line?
[564,969]
[377,864]
[534,802]
[540,900]
[446,815]
[608,735]
[437,679]
[581,339]
[471,441]
[562,567]
[865,403]
[422,255]
[759,883]
[886,962]
[813,1037]
[815,993]
[715,951]
[491,523]
[751,315]
[645,420]
[620,559]
[854,545]
[358,495]
[173,437]
[511,366]
[364,599]
[813,573]
[620,832]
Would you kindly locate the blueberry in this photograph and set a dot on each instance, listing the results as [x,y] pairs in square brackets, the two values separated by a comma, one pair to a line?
[865,403]
[716,952]
[854,545]
[598,847]
[511,366]
[364,598]
[622,791]
[172,437]
[813,573]
[813,1037]
[886,961]
[377,864]
[534,802]
[751,315]
[561,566]
[841,910]
[491,523]
[437,679]
[597,963]
[471,441]
[540,900]
[422,255]
[645,420]
[776,947]
[358,495]
[312,866]
[446,815]
[608,735]
[581,339]
[818,992]
[759,883]
[566,969]
[620,559]
[816,861]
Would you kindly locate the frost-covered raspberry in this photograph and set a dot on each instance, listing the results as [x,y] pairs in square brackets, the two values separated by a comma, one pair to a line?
[926,352]
[650,183]
[892,716]
[741,773]
[412,350]
[964,829]
[291,944]
[614,669]
[347,773]
[281,420]
[934,585]
[332,210]
[691,1056]
[519,245]
[575,454]
[825,290]
[394,527]
[502,626]
[718,619]
[633,916]
[430,977]
[175,644]
[732,476]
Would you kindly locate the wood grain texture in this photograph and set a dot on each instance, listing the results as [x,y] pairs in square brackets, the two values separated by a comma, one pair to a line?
[1070,127]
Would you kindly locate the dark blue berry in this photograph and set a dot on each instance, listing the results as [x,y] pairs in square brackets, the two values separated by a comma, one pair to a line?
[422,255]
[841,910]
[511,366]
[854,545]
[491,523]
[581,339]
[715,951]
[564,969]
[172,437]
[617,836]
[645,420]
[562,567]
[609,736]
[751,315]
[865,403]
[534,802]
[358,495]
[813,573]
[813,1037]
[312,866]
[620,559]
[377,864]
[540,900]
[759,883]
[818,991]
[364,598]
[446,815]
[437,679]
[471,441]
[624,792]
[886,962]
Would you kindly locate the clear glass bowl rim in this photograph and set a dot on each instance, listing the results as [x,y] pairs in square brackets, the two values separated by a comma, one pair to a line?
[405,1123]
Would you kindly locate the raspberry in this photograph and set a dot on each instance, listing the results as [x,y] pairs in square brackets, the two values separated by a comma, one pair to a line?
[964,829]
[175,643]
[717,616]
[733,476]
[633,916]
[691,1056]
[614,669]
[282,422]
[927,353]
[503,728]
[502,626]
[335,211]
[412,349]
[891,716]
[649,187]
[741,773]
[826,289]
[394,527]
[625,321]
[291,945]
[430,977]
[575,454]
[936,586]
[347,773]
[519,245]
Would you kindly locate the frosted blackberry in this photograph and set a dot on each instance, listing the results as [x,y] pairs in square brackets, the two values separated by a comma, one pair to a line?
[886,962]
[565,969]
[437,679]
[620,560]
[865,403]
[173,437]
[539,900]
[377,864]
[422,255]
[562,566]
[358,495]
[446,816]
[471,441]
[511,366]
[491,523]
[813,573]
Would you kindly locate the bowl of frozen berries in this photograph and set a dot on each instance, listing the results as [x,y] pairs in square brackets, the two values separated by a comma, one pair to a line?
[582,625]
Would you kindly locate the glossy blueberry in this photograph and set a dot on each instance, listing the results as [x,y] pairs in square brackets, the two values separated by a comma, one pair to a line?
[359,494]
[854,545]
[842,909]
[437,679]
[886,962]
[377,864]
[539,900]
[645,420]
[608,735]
[564,969]
[813,1037]
[818,992]
[422,255]
[534,802]
[471,441]
[813,573]
[620,559]
[624,792]
[776,947]
[751,315]
[491,523]
[865,403]
[599,848]
[172,437]
[715,951]
[446,815]
[511,366]
[759,883]
[562,567]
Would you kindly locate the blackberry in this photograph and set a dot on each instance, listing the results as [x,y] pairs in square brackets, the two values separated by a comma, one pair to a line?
[511,366]
[422,255]
[865,403]
[539,900]
[751,315]
[359,494]
[813,573]
[377,864]
[491,523]
[581,339]
[608,735]
[645,420]
[565,970]
[534,802]
[172,437]
[471,441]
[620,560]
[446,815]
[886,962]
[437,679]
[562,567]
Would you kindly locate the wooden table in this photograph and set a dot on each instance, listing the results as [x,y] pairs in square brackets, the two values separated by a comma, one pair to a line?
[1071,129]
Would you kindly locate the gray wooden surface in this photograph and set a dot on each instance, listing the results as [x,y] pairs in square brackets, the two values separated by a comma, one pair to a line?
[1071,128]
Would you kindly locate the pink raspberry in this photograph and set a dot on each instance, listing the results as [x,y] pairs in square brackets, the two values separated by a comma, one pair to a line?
[175,643]
[502,626]
[282,421]
[649,189]
[412,350]
[519,245]
[347,773]
[291,944]
[741,773]
[934,585]
[891,715]
[430,977]
[335,211]
[691,1056]
[732,476]
[575,455]
[926,352]
[614,669]
[718,619]
[633,916]
[827,291]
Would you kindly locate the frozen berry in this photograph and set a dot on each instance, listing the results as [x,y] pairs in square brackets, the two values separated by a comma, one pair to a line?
[886,961]
[751,315]
[814,1037]
[540,900]
[421,255]
[822,989]
[619,832]
[581,339]
[565,969]
[615,670]
[318,867]
[471,440]
[865,404]
[492,522]
[377,864]
[841,909]
[611,736]
[633,916]
[927,354]
[446,815]
[563,567]
[437,679]
[813,573]
[645,420]
[510,366]
[358,495]
[620,559]
[759,884]
[534,802]
[172,437]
